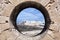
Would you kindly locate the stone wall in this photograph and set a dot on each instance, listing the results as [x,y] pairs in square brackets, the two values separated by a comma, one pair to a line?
[7,31]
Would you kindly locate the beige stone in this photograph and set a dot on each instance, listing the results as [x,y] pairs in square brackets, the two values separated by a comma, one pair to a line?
[0,1]
[7,35]
[3,27]
[57,35]
[51,34]
[43,2]
[3,19]
[47,37]
[8,9]
[14,2]
[53,8]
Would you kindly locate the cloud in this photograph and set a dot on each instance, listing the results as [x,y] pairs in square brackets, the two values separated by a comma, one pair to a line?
[30,14]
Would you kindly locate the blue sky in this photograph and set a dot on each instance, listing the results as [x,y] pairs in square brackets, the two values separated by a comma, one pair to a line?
[30,14]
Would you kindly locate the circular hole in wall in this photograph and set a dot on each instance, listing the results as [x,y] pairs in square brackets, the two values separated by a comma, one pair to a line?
[30,21]
[30,18]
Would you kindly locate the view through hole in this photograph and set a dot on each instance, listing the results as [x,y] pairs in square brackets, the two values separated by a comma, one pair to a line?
[30,21]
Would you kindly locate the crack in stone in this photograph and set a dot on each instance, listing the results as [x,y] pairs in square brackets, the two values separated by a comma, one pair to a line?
[9,29]
[2,23]
[7,2]
[2,5]
[51,30]
[17,37]
[51,36]
[51,2]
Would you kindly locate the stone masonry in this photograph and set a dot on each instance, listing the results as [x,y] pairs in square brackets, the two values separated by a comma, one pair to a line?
[7,31]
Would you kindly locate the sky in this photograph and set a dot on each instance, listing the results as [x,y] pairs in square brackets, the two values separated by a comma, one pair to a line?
[30,14]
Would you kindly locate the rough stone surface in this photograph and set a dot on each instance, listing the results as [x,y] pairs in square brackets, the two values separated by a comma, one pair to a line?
[7,32]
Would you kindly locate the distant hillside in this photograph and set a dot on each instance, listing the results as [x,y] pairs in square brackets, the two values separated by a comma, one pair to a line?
[32,23]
